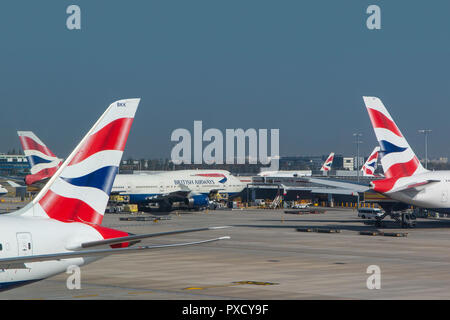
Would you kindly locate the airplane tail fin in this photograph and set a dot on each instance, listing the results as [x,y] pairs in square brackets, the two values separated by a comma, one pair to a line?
[79,190]
[397,158]
[43,163]
[327,164]
[368,168]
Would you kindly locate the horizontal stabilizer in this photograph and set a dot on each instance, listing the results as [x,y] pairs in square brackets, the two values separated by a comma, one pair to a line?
[138,237]
[415,185]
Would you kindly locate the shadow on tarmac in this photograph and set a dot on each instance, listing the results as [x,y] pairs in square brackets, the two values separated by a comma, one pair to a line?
[343,225]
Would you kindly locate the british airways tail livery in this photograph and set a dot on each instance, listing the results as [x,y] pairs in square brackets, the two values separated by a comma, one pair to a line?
[369,167]
[406,180]
[397,157]
[61,227]
[327,164]
[43,163]
[82,185]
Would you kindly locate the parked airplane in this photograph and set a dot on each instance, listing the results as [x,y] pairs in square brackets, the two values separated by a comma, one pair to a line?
[191,188]
[43,163]
[369,167]
[61,227]
[406,180]
[327,165]
[297,173]
[286,173]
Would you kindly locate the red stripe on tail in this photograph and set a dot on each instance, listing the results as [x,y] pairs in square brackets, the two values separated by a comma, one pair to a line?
[383,185]
[379,120]
[41,175]
[394,173]
[113,136]
[404,169]
[69,209]
[30,144]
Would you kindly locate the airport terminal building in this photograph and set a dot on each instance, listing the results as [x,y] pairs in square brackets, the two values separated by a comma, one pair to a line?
[13,165]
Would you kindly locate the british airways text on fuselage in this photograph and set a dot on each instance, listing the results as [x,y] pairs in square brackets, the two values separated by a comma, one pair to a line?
[193,181]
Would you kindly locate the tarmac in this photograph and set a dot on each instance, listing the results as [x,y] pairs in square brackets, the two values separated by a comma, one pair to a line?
[266,258]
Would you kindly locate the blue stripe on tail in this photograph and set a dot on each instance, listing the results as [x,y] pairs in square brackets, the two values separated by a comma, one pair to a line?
[102,179]
[387,147]
[35,160]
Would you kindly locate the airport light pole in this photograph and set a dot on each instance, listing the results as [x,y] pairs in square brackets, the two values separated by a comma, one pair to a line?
[357,135]
[426,132]
[173,165]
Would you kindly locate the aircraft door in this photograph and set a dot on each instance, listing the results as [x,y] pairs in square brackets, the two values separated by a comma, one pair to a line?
[24,244]
[444,195]
[129,187]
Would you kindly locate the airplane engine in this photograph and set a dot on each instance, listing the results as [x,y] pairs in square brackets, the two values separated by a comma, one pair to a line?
[197,201]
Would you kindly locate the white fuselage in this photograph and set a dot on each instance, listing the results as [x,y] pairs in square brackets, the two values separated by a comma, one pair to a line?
[434,195]
[198,181]
[29,235]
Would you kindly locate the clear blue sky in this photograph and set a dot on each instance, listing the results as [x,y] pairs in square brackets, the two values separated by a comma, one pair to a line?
[300,66]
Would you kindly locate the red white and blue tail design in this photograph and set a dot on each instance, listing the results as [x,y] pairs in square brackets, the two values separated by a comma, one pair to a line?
[327,165]
[80,189]
[43,163]
[397,158]
[369,167]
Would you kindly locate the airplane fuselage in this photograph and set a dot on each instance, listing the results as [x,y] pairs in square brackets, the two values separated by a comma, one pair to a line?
[434,195]
[29,235]
[142,186]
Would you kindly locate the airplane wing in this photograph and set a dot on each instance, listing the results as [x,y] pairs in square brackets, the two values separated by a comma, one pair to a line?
[179,195]
[339,184]
[18,262]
